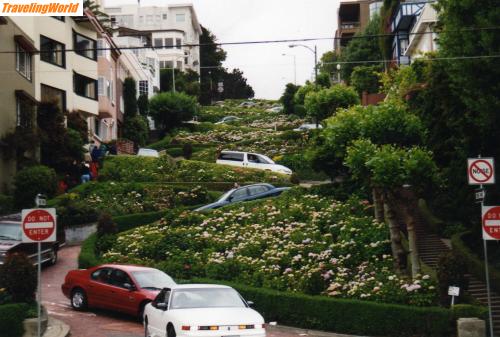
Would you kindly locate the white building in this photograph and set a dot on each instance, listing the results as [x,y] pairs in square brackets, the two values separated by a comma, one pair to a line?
[173,30]
[423,38]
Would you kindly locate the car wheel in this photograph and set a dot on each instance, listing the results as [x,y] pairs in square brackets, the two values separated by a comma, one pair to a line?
[53,257]
[171,331]
[146,329]
[140,313]
[78,299]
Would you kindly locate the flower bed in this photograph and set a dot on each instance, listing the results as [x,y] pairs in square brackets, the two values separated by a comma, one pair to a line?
[298,242]
[140,169]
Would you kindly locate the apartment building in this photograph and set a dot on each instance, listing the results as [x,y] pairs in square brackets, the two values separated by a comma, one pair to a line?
[352,17]
[423,37]
[17,94]
[173,30]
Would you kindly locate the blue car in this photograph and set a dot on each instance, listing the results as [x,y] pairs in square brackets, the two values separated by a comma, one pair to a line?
[245,193]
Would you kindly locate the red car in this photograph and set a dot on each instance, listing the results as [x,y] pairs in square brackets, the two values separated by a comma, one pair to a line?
[121,288]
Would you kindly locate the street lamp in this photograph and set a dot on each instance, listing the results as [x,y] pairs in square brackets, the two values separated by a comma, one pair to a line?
[294,66]
[314,51]
[338,72]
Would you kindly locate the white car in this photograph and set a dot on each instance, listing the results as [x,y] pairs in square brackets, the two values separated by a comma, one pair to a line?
[275,109]
[148,153]
[201,310]
[251,160]
[228,119]
[306,127]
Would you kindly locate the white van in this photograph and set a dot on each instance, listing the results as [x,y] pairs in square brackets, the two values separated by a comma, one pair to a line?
[251,160]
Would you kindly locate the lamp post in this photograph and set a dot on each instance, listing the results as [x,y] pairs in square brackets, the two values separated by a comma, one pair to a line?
[338,72]
[294,67]
[314,51]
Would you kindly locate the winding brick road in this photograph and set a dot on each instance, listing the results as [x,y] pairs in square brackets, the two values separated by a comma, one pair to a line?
[93,323]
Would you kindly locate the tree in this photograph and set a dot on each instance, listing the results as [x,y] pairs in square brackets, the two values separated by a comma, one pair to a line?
[366,78]
[287,98]
[129,97]
[185,81]
[362,48]
[236,86]
[328,63]
[300,96]
[143,104]
[170,109]
[324,103]
[211,58]
[136,129]
[323,80]
[76,122]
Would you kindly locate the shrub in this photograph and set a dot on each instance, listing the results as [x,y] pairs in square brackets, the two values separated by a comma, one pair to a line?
[74,213]
[11,319]
[31,181]
[88,257]
[6,204]
[106,225]
[353,316]
[136,129]
[18,276]
[295,179]
[451,270]
[170,109]
[187,150]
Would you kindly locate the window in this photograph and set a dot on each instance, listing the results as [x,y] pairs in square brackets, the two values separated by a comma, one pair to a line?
[101,275]
[170,64]
[25,112]
[103,48]
[240,194]
[141,19]
[257,189]
[169,42]
[23,62]
[84,46]
[111,91]
[119,278]
[164,16]
[186,61]
[178,42]
[100,85]
[180,17]
[84,86]
[231,156]
[52,51]
[143,88]
[179,64]
[54,94]
[158,42]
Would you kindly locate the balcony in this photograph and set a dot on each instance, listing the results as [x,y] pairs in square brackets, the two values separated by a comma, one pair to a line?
[349,25]
[405,16]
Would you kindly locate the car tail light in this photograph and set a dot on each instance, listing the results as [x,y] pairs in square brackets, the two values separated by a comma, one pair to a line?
[186,328]
[208,327]
[244,327]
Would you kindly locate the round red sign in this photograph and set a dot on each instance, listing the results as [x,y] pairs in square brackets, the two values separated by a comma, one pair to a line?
[38,225]
[491,222]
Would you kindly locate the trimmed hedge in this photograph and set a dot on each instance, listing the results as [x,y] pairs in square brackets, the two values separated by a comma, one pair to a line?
[475,265]
[353,316]
[11,319]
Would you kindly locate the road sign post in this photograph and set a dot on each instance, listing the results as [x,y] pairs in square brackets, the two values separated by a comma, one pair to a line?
[39,225]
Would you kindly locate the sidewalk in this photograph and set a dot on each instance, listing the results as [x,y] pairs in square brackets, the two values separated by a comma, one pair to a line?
[56,328]
[302,332]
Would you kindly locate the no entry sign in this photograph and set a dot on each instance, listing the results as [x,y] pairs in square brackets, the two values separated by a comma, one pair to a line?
[491,222]
[481,171]
[39,225]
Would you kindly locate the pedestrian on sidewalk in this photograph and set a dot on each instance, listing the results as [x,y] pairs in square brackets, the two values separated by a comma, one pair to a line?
[85,177]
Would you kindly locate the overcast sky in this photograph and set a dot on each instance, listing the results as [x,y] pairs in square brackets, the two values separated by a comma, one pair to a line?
[264,66]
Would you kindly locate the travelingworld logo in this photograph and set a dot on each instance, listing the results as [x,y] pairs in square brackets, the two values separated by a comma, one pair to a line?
[41,7]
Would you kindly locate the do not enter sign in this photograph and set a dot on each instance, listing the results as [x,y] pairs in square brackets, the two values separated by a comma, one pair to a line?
[491,222]
[39,225]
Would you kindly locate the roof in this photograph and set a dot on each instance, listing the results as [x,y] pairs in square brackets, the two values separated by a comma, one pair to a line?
[127,267]
[200,286]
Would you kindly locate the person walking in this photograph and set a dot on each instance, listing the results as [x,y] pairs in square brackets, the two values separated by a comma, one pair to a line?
[85,177]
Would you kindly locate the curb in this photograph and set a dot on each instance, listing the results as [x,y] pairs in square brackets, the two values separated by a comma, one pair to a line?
[305,332]
[56,328]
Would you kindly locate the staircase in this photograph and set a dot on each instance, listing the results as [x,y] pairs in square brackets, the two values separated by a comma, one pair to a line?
[430,247]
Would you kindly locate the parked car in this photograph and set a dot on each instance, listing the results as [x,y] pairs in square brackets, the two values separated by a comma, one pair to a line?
[201,310]
[11,242]
[251,160]
[245,193]
[123,288]
[275,109]
[247,104]
[148,153]
[228,119]
[307,127]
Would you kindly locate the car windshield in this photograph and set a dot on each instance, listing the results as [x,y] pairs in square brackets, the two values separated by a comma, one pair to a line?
[148,152]
[226,195]
[266,159]
[206,298]
[10,232]
[152,279]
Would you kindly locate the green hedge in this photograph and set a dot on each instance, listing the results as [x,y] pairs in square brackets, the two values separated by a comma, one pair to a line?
[11,319]
[475,265]
[353,316]
[6,204]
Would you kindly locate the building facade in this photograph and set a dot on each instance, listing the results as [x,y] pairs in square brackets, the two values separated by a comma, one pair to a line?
[423,37]
[173,30]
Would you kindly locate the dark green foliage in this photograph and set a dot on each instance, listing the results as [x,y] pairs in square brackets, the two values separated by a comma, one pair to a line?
[106,225]
[236,86]
[143,105]
[31,181]
[323,80]
[60,146]
[187,150]
[74,213]
[11,319]
[129,98]
[366,78]
[6,204]
[76,122]
[325,102]
[186,82]
[301,167]
[451,270]
[18,277]
[136,129]
[353,316]
[287,98]
[362,49]
[170,109]
[211,58]
[294,178]
[88,257]
[327,64]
